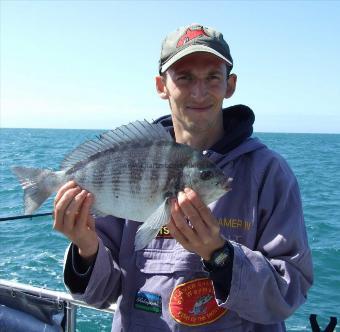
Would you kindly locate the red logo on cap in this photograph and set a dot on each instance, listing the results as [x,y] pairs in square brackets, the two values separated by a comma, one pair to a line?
[190,35]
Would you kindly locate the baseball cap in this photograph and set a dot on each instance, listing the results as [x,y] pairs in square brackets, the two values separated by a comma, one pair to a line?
[190,39]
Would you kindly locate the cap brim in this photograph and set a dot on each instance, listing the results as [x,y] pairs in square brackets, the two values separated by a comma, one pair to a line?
[193,49]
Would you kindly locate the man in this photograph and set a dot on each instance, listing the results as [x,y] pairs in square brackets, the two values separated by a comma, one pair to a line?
[243,264]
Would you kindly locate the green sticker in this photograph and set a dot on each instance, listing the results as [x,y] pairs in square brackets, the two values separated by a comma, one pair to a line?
[148,302]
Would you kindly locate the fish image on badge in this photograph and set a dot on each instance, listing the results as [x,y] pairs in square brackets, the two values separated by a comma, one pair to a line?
[132,171]
[199,306]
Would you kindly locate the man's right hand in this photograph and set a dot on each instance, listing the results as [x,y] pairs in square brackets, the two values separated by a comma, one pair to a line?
[73,219]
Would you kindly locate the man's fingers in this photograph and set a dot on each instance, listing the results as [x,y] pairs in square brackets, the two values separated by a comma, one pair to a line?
[61,206]
[181,222]
[176,233]
[68,185]
[193,225]
[84,217]
[91,223]
[191,213]
[72,211]
[202,209]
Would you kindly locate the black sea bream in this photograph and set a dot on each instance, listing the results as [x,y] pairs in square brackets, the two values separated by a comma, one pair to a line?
[132,172]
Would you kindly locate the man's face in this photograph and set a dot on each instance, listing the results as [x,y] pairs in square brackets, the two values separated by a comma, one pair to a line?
[195,87]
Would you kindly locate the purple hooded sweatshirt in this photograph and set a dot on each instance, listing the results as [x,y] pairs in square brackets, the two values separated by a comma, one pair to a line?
[166,288]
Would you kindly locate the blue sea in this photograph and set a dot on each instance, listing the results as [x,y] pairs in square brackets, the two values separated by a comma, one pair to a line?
[31,252]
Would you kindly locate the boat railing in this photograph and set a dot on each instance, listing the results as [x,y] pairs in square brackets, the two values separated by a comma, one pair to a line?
[68,303]
[71,304]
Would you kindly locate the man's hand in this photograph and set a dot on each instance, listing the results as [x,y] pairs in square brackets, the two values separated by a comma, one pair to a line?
[72,218]
[193,225]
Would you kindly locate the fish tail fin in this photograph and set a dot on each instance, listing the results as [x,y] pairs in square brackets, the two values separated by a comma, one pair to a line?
[37,187]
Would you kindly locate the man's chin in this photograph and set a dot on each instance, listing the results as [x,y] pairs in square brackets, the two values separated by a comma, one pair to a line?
[198,110]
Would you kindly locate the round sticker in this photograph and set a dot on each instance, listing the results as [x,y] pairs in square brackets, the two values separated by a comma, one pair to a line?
[193,303]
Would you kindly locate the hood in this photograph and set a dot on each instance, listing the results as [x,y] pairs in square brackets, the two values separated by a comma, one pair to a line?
[238,127]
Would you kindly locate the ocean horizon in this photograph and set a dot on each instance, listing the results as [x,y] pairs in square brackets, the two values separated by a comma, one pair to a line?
[113,127]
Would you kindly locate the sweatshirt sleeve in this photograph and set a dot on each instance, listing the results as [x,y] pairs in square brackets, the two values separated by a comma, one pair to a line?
[98,284]
[271,281]
[76,274]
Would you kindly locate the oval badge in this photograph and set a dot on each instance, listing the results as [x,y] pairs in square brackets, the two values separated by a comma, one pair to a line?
[193,303]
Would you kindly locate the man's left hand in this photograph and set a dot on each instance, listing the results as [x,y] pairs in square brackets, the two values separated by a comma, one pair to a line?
[193,225]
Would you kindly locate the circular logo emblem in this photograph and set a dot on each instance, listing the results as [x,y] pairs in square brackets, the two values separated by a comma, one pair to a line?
[193,303]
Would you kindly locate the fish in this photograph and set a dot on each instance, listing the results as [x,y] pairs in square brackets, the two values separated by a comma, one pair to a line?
[133,172]
[199,306]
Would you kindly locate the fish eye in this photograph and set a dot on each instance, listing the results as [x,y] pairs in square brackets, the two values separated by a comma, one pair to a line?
[206,175]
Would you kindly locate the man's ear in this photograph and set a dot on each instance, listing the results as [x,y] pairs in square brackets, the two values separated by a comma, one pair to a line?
[161,88]
[231,86]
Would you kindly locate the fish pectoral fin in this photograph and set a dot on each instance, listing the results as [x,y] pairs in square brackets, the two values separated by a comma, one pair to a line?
[150,228]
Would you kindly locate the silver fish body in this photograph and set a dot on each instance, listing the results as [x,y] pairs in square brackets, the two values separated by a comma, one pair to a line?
[132,172]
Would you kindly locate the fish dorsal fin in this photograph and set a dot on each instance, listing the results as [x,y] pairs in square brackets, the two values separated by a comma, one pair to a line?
[132,133]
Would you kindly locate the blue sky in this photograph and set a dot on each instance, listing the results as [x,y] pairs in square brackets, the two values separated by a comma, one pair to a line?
[91,64]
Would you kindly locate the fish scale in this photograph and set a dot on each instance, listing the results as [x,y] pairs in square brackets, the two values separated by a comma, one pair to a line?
[132,172]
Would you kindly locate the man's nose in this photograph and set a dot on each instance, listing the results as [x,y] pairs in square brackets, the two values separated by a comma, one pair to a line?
[199,89]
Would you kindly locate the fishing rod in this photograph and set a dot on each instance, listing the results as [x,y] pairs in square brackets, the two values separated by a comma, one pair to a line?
[26,216]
